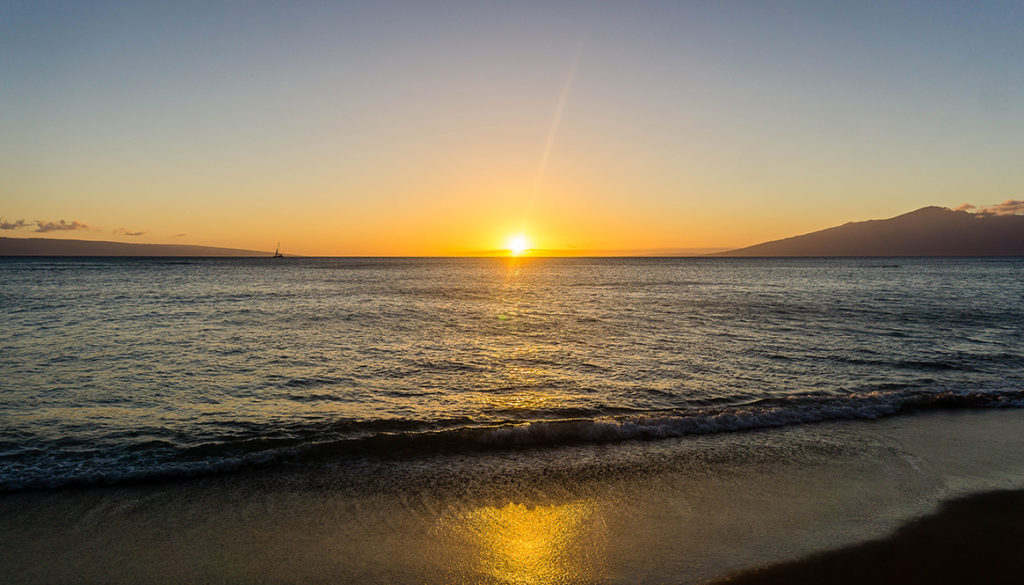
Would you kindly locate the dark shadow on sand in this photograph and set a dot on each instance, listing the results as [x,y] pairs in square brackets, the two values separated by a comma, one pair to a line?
[977,539]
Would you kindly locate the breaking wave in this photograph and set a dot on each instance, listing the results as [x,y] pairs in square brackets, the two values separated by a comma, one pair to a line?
[35,466]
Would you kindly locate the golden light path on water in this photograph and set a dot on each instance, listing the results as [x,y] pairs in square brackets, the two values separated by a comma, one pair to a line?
[516,542]
[521,371]
[540,544]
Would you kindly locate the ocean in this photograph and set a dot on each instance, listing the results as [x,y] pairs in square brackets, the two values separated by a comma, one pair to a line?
[637,419]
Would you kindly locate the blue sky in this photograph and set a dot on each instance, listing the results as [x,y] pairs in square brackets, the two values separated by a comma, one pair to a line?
[345,128]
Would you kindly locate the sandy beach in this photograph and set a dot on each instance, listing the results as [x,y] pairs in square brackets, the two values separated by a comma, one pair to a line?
[688,510]
[974,539]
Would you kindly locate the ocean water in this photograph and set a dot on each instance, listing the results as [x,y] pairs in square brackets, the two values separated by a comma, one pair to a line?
[121,370]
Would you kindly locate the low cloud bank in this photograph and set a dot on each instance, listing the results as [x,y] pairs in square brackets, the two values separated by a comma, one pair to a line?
[124,232]
[63,226]
[1008,207]
[11,225]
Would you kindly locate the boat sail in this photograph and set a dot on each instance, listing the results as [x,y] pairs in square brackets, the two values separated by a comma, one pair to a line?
[277,252]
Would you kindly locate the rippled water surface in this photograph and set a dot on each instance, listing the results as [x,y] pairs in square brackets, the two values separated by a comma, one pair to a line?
[117,368]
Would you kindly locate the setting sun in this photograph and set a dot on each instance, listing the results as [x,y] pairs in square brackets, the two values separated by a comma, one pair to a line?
[518,245]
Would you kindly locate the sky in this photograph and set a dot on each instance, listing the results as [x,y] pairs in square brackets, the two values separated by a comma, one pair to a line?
[449,128]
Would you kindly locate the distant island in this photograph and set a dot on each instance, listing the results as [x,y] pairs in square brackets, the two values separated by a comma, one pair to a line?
[62,247]
[929,231]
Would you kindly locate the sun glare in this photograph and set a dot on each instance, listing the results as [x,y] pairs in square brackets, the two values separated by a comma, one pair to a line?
[557,543]
[518,245]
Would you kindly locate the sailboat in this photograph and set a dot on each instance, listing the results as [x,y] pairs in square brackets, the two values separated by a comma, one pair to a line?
[277,252]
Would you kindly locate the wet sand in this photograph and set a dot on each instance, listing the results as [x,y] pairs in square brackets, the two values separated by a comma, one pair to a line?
[686,510]
[976,539]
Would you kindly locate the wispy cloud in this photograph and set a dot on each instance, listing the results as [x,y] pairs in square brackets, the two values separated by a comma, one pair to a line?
[63,226]
[11,225]
[180,235]
[124,232]
[1008,207]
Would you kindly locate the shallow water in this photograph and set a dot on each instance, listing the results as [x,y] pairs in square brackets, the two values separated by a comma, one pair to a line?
[679,510]
[121,369]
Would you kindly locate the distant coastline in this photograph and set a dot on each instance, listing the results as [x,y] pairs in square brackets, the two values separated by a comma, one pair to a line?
[929,231]
[62,247]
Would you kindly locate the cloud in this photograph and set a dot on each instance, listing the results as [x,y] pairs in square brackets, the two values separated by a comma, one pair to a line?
[965,207]
[11,225]
[179,235]
[1008,207]
[63,226]
[124,232]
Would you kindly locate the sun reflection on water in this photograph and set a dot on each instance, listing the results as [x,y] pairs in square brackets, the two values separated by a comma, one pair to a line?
[560,543]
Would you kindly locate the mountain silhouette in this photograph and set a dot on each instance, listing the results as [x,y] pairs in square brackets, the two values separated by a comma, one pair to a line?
[929,231]
[62,247]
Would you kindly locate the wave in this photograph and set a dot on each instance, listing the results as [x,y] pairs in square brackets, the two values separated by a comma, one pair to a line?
[34,467]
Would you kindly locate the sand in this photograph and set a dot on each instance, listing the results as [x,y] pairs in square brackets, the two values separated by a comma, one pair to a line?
[976,539]
[685,510]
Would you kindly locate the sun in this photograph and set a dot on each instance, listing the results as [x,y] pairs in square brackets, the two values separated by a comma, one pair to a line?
[517,245]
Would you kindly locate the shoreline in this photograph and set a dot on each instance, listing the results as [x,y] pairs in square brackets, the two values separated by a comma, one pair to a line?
[970,539]
[689,510]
